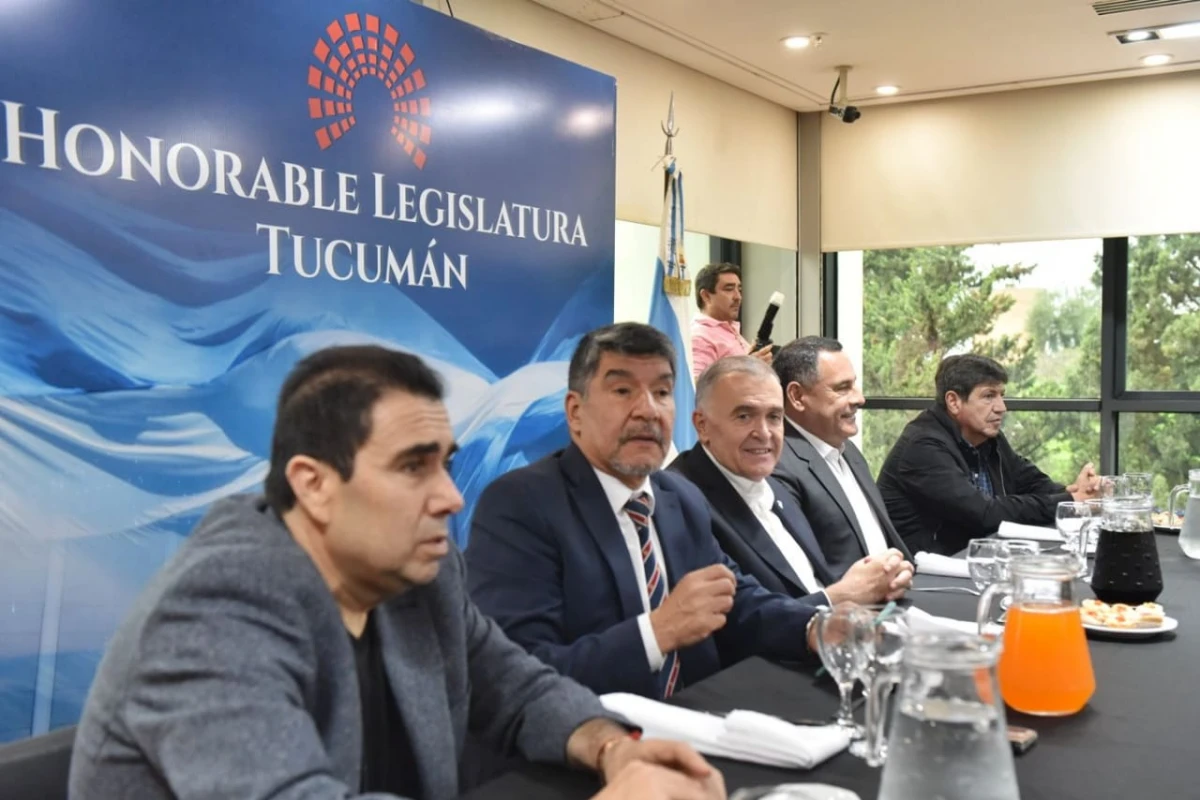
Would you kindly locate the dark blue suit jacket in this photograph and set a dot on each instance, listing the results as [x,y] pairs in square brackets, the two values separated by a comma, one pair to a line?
[742,536]
[547,561]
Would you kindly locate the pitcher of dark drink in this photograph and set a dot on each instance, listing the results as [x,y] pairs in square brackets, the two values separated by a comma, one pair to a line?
[1127,568]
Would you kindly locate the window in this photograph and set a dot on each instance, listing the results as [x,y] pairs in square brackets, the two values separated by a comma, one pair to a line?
[1034,307]
[1099,337]
[1165,445]
[1164,314]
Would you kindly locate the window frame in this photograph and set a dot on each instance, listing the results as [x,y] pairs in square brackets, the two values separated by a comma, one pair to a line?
[1115,399]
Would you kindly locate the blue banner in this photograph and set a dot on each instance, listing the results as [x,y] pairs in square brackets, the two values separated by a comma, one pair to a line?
[193,196]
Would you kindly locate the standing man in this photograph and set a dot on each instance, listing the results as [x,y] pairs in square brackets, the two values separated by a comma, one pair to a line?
[821,467]
[952,475]
[318,642]
[604,566]
[716,331]
[739,423]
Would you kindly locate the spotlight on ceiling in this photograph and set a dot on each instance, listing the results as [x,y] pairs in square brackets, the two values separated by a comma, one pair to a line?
[1156,60]
[887,90]
[797,42]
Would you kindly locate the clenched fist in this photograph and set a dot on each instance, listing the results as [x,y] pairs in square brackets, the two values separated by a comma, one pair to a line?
[694,608]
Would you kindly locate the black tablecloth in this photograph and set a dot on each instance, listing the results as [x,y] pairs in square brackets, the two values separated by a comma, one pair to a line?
[1135,739]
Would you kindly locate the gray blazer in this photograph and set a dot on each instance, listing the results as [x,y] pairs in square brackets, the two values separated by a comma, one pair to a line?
[233,676]
[812,483]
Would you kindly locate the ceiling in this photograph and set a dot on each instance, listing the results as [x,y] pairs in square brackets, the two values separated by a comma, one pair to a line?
[929,48]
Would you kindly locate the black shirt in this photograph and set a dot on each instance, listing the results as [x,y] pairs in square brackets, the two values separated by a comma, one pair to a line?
[388,764]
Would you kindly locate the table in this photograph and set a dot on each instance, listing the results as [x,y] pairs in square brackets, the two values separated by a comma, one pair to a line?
[1133,740]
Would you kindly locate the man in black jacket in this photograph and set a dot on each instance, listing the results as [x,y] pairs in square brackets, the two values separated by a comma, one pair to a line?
[952,476]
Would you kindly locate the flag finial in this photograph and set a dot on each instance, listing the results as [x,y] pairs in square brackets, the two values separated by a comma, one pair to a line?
[670,129]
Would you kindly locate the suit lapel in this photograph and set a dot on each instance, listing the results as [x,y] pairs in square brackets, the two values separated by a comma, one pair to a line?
[725,501]
[668,519]
[797,525]
[819,467]
[862,473]
[597,516]
[415,669]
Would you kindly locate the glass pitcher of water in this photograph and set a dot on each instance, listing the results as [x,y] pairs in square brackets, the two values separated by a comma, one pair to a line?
[1189,534]
[1127,569]
[948,734]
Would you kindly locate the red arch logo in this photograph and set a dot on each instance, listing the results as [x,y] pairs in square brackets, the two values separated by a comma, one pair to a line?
[353,48]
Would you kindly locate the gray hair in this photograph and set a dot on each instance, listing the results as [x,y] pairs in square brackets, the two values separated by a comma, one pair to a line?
[730,365]
[798,361]
[623,338]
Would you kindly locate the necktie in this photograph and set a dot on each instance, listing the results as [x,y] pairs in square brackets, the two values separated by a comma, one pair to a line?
[638,509]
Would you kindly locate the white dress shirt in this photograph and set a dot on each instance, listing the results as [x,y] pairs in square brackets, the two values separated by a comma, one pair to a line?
[618,495]
[761,498]
[872,532]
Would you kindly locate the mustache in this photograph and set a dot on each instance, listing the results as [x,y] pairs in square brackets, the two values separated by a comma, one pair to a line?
[642,433]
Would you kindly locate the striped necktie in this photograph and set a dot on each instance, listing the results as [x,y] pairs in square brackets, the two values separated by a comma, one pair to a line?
[638,509]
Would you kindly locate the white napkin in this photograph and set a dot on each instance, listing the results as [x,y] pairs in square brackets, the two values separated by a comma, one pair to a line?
[742,735]
[1015,530]
[923,622]
[936,564]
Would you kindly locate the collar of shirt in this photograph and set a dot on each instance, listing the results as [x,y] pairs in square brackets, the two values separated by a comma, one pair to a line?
[704,319]
[618,493]
[824,448]
[757,494]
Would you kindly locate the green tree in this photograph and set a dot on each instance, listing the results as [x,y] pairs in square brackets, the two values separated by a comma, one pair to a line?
[1163,354]
[922,304]
[918,306]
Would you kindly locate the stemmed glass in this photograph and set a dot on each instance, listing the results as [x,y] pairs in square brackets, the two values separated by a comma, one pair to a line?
[839,639]
[881,655]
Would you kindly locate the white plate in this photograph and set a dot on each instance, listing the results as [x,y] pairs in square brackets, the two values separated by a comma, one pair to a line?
[1169,624]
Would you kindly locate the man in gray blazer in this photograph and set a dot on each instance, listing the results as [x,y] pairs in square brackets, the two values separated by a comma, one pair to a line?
[318,642]
[822,469]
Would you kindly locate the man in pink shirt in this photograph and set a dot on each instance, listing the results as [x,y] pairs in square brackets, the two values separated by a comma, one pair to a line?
[716,332]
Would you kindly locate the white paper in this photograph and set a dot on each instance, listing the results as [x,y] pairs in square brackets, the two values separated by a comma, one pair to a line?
[946,566]
[923,622]
[742,735]
[1015,530]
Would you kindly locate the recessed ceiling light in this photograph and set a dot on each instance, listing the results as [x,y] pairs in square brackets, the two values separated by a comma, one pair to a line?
[1188,30]
[1137,36]
[887,90]
[1156,60]
[797,42]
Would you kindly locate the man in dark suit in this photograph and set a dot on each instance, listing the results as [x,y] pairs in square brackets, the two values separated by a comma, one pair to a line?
[825,473]
[739,421]
[604,566]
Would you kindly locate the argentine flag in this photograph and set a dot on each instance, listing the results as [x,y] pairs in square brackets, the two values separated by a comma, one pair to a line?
[671,304]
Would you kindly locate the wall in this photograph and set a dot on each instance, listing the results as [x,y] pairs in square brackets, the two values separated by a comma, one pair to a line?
[737,151]
[633,277]
[1110,158]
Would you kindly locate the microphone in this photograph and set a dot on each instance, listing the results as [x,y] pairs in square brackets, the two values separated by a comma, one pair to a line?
[764,331]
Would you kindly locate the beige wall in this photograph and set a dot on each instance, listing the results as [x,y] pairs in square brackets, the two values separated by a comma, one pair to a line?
[737,151]
[1111,158]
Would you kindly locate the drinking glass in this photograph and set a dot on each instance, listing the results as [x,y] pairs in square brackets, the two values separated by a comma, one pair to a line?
[981,562]
[1074,522]
[1138,484]
[1111,486]
[839,639]
[1013,548]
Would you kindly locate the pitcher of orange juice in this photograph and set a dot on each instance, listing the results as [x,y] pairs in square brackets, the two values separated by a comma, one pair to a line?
[1045,667]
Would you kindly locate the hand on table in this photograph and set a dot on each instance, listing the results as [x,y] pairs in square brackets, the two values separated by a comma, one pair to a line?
[1087,485]
[874,579]
[659,770]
